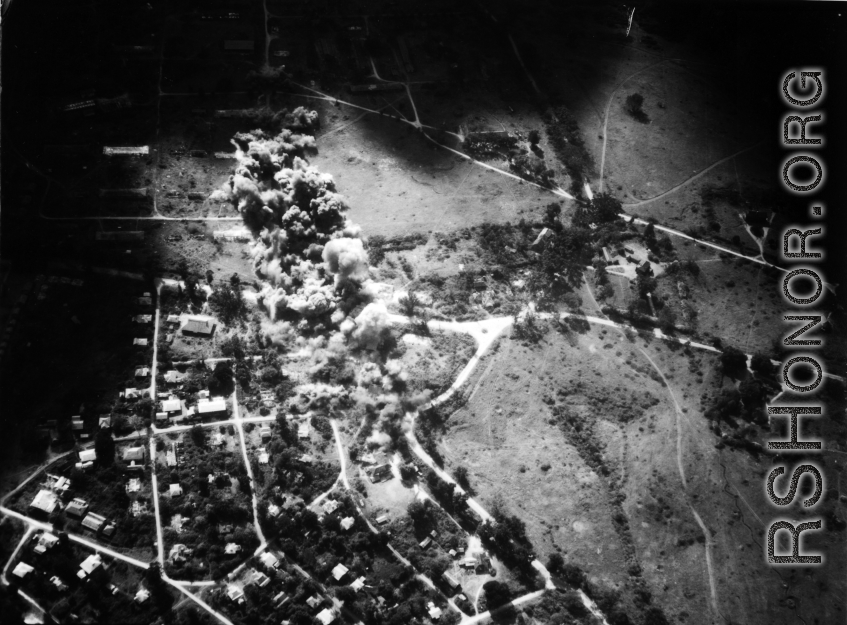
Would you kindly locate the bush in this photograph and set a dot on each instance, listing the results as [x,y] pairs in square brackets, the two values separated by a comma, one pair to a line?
[633,105]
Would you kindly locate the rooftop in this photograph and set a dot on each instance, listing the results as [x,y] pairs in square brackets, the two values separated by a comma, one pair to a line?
[45,501]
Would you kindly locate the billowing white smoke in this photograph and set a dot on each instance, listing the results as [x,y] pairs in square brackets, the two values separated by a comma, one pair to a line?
[369,328]
[346,259]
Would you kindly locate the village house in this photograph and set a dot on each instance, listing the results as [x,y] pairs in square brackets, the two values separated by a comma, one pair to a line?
[104,422]
[260,579]
[21,570]
[347,522]
[451,581]
[58,583]
[330,506]
[211,407]
[45,542]
[89,565]
[380,472]
[77,508]
[235,594]
[179,553]
[265,432]
[269,560]
[264,458]
[174,377]
[434,611]
[232,548]
[134,456]
[142,372]
[198,325]
[172,405]
[313,601]
[326,616]
[339,571]
[57,483]
[93,522]
[87,455]
[175,490]
[134,485]
[142,595]
[358,584]
[45,501]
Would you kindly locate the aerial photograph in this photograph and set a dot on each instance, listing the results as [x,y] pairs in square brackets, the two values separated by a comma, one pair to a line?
[449,312]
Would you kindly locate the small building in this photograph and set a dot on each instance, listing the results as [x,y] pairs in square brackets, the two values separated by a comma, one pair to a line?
[46,541]
[451,581]
[235,594]
[134,485]
[265,432]
[358,584]
[269,560]
[273,510]
[58,583]
[304,429]
[77,508]
[142,318]
[434,611]
[199,325]
[87,455]
[89,565]
[22,569]
[175,490]
[58,483]
[93,522]
[179,553]
[347,522]
[381,472]
[45,501]
[232,548]
[260,579]
[326,616]
[140,342]
[161,416]
[174,377]
[339,571]
[279,599]
[469,562]
[330,506]
[218,440]
[172,405]
[211,406]
[542,236]
[426,542]
[382,519]
[264,458]
[142,372]
[131,393]
[133,454]
[142,595]
[104,422]
[313,601]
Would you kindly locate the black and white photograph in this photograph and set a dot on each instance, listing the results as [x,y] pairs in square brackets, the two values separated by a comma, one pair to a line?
[448,312]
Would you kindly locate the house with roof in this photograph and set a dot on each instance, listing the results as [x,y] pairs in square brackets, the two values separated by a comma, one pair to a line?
[232,548]
[326,616]
[77,508]
[382,519]
[22,570]
[139,342]
[380,472]
[313,601]
[434,611]
[58,583]
[87,455]
[134,485]
[260,579]
[93,522]
[89,565]
[131,393]
[142,372]
[172,405]
[45,501]
[174,319]
[218,440]
[179,553]
[451,581]
[279,599]
[330,506]
[265,432]
[211,407]
[104,422]
[133,454]
[202,326]
[426,542]
[269,560]
[347,522]
[358,584]
[174,377]
[339,571]
[59,484]
[143,319]
[142,595]
[175,490]
[235,594]
[264,458]
[304,429]
[45,542]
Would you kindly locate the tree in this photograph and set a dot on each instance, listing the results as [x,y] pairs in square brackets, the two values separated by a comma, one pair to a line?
[645,284]
[555,563]
[733,362]
[606,208]
[461,474]
[228,303]
[534,137]
[407,472]
[409,303]
[667,320]
[496,594]
[104,447]
[762,365]
[197,436]
[221,381]
[633,105]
